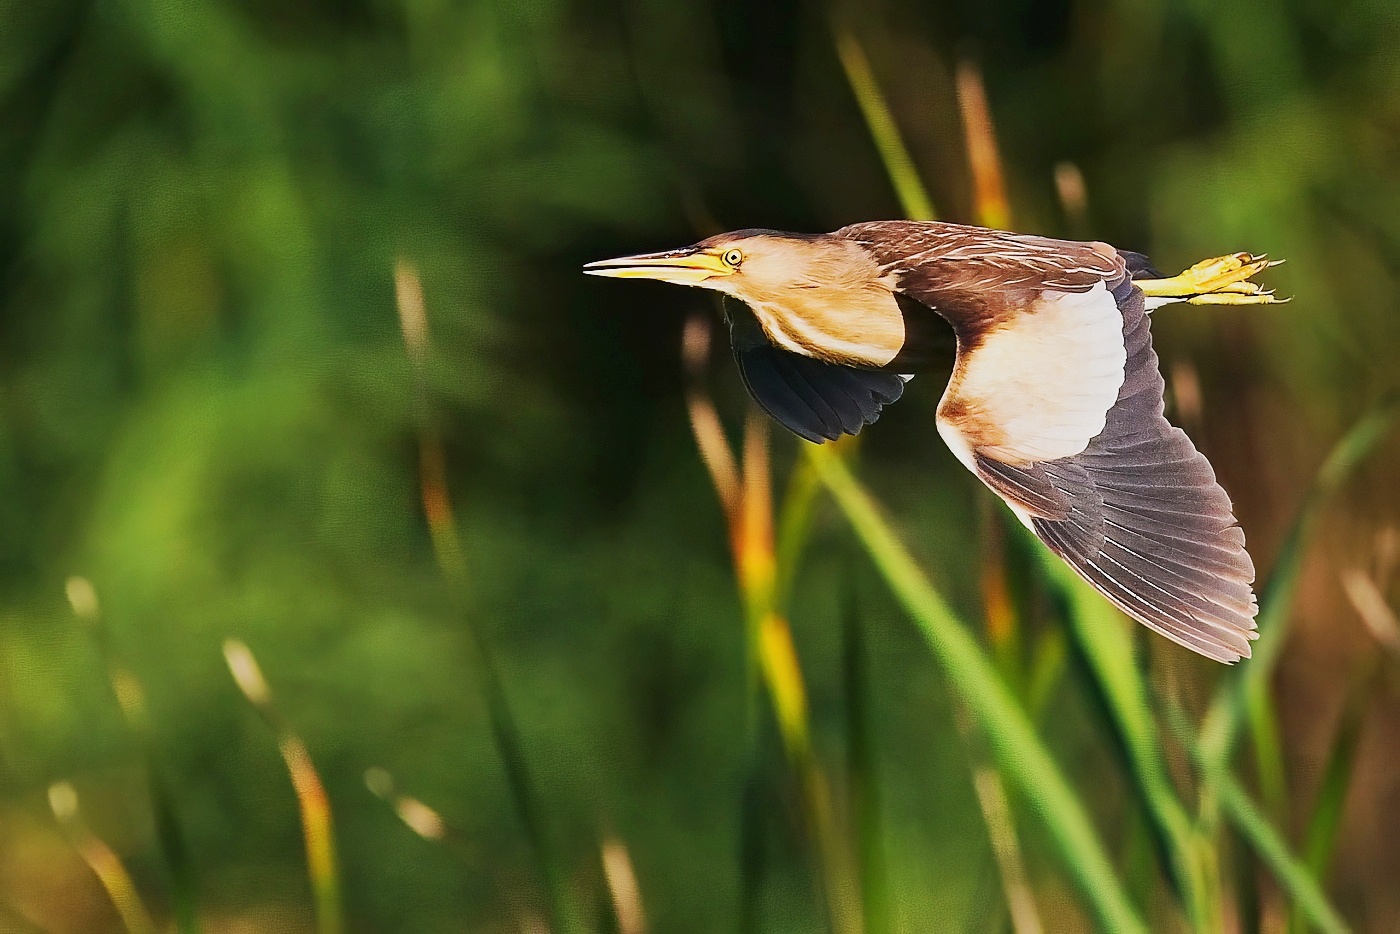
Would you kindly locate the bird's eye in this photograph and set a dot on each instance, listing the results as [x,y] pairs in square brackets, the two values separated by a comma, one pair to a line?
[732,258]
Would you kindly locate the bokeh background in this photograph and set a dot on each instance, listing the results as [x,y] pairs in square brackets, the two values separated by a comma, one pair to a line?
[488,560]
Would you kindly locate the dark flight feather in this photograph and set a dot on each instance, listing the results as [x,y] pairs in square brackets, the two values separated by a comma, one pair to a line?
[813,399]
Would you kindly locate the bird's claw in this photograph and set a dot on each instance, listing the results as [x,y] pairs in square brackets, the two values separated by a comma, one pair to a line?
[1223,280]
[1238,298]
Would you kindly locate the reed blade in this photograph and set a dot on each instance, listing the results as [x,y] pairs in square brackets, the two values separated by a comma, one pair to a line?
[1019,752]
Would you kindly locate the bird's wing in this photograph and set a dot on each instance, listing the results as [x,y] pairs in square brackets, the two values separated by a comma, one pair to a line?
[1060,412]
[811,398]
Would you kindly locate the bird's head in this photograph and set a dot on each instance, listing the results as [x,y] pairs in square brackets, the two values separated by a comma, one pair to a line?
[751,265]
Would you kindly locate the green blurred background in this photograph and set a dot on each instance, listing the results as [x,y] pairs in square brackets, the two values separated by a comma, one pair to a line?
[208,412]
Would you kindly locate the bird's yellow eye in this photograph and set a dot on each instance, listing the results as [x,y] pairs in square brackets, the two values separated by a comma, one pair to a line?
[732,258]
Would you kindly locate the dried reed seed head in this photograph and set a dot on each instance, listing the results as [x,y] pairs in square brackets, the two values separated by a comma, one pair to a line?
[379,782]
[82,597]
[695,344]
[246,673]
[129,693]
[1069,185]
[63,800]
[413,316]
[420,818]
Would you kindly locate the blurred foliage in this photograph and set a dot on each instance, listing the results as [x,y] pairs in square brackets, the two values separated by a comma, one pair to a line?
[207,411]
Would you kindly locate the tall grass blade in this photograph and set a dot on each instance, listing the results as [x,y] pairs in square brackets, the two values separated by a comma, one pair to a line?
[317,826]
[1249,907]
[722,465]
[795,525]
[1292,875]
[1320,837]
[1138,856]
[867,804]
[991,209]
[507,740]
[753,850]
[1017,749]
[1230,707]
[745,493]
[1236,805]
[992,801]
[988,188]
[622,887]
[715,451]
[418,817]
[172,845]
[998,610]
[1106,642]
[1269,772]
[447,549]
[12,922]
[908,187]
[1368,600]
[1001,620]
[101,859]
[130,697]
[1047,666]
[782,674]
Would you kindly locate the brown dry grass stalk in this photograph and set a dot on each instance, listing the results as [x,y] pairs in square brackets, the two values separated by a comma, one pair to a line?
[984,161]
[622,887]
[318,830]
[451,558]
[744,489]
[102,859]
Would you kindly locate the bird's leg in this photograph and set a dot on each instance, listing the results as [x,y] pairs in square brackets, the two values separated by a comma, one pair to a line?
[1223,280]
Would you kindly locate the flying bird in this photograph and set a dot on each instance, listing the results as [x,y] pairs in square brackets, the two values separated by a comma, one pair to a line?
[1055,400]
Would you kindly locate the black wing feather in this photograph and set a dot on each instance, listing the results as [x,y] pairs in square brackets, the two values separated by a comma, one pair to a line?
[813,399]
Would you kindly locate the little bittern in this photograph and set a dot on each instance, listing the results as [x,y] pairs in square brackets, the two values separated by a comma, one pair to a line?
[1055,400]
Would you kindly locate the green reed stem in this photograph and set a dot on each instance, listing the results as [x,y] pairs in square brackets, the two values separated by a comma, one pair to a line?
[1020,754]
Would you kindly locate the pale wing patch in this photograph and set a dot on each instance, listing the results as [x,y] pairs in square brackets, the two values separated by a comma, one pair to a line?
[1039,386]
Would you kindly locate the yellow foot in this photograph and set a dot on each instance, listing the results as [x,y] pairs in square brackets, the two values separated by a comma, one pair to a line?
[1220,281]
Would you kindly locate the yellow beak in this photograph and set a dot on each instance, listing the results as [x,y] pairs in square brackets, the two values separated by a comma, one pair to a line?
[689,266]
